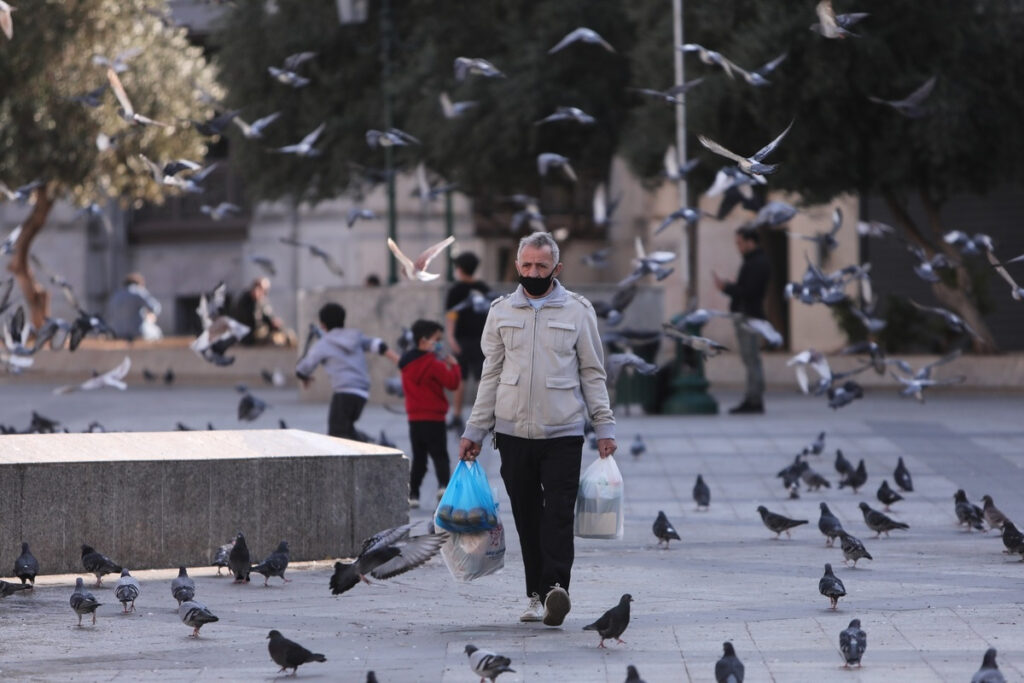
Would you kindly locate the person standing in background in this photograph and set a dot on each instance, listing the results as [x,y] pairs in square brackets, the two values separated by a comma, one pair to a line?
[464,325]
[132,311]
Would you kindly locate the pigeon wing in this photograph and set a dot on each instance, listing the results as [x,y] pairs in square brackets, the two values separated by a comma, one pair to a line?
[431,252]
[412,553]
[119,93]
[719,150]
[770,147]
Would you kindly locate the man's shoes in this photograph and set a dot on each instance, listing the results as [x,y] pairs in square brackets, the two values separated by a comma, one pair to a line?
[556,606]
[456,424]
[535,612]
[414,503]
[748,408]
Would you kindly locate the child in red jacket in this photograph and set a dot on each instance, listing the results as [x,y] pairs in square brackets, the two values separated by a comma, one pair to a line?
[424,378]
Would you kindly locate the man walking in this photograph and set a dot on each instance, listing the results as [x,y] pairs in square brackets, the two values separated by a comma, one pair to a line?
[543,377]
[747,295]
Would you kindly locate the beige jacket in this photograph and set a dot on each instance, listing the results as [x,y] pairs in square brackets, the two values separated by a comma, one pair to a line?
[543,372]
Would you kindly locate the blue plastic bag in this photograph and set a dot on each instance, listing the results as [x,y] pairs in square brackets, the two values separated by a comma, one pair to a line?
[467,505]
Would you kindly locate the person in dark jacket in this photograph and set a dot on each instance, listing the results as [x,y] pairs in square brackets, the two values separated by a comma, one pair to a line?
[425,376]
[464,326]
[747,300]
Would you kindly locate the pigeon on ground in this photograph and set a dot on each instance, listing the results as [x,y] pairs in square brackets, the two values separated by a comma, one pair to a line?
[632,675]
[843,466]
[902,476]
[791,473]
[813,480]
[879,522]
[844,395]
[26,566]
[638,447]
[417,269]
[968,513]
[989,671]
[127,591]
[663,530]
[98,564]
[487,664]
[729,668]
[385,554]
[83,602]
[887,496]
[853,549]
[817,446]
[1013,539]
[239,562]
[275,564]
[196,615]
[220,558]
[829,525]
[993,515]
[778,523]
[853,642]
[612,623]
[8,588]
[581,35]
[856,478]
[752,165]
[831,587]
[288,654]
[183,588]
[701,493]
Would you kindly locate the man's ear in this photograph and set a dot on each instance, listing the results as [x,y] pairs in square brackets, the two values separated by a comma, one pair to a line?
[557,269]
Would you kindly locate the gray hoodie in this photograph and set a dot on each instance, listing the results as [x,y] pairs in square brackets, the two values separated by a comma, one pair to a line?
[342,351]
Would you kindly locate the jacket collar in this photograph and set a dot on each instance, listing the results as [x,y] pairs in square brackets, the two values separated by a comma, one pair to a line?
[557,297]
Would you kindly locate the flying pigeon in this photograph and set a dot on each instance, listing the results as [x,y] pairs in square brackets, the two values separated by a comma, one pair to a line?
[993,515]
[778,523]
[112,378]
[487,664]
[853,642]
[774,214]
[856,478]
[612,623]
[549,160]
[663,530]
[92,98]
[275,564]
[582,35]
[926,267]
[316,252]
[254,130]
[953,321]
[288,654]
[701,493]
[574,114]
[887,496]
[902,476]
[392,137]
[453,110]
[831,587]
[220,558]
[196,615]
[879,522]
[729,668]
[238,560]
[127,591]
[752,165]
[417,270]
[912,106]
[470,66]
[120,61]
[853,548]
[1016,291]
[221,211]
[989,671]
[385,554]
[286,77]
[98,564]
[810,359]
[304,148]
[355,214]
[832,25]
[126,111]
[26,566]
[829,525]
[967,513]
[83,602]
[183,588]
[685,214]
[708,348]
[711,58]
[250,407]
[638,447]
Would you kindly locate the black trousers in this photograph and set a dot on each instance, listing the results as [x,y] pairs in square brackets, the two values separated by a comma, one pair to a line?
[428,438]
[342,415]
[542,477]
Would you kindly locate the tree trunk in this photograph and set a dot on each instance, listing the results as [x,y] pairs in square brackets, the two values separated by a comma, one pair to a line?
[957,298]
[37,296]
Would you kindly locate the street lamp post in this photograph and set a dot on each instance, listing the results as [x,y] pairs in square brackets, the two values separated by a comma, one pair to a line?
[386,30]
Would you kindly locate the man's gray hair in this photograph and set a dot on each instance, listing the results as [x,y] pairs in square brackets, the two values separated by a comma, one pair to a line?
[539,240]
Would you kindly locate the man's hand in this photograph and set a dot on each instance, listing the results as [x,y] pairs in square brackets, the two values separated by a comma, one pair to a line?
[468,450]
[719,282]
[392,356]
[606,447]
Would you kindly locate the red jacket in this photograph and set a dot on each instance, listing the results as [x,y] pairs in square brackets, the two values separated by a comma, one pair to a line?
[424,379]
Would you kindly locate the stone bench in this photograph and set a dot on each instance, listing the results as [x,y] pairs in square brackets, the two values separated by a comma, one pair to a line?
[163,499]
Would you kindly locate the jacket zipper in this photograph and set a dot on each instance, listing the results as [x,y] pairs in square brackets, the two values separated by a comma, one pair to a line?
[533,356]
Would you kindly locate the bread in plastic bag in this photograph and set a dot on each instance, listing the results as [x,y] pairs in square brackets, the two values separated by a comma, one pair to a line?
[599,505]
[467,505]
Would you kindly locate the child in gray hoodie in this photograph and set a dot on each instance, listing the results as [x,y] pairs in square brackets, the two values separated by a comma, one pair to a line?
[342,352]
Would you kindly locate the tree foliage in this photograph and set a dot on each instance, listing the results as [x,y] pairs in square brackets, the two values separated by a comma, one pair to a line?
[45,135]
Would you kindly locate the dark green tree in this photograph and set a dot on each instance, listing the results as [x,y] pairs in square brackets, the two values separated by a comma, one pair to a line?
[46,136]
[841,141]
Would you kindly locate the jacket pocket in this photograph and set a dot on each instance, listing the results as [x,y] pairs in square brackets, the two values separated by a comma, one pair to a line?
[562,336]
[561,406]
[511,332]
[506,397]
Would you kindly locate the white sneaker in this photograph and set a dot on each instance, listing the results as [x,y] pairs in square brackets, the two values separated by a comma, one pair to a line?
[556,606]
[535,612]
[414,503]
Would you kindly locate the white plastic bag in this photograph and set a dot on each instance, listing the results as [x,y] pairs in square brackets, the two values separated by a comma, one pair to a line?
[599,509]
[471,556]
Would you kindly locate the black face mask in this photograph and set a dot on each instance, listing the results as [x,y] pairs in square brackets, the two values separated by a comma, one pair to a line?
[536,286]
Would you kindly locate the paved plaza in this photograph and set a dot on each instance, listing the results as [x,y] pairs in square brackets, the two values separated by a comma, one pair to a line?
[934,598]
